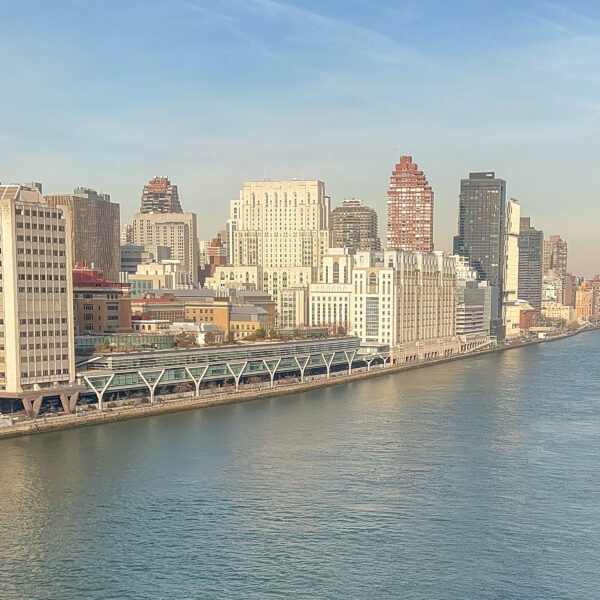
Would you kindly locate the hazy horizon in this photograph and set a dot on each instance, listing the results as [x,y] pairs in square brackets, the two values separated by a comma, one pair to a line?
[212,95]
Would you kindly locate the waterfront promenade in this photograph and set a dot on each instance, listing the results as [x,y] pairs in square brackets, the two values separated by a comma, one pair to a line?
[229,395]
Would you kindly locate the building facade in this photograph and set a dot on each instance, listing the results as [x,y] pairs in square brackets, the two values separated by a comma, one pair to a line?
[132,256]
[355,226]
[531,263]
[280,235]
[160,196]
[511,309]
[556,251]
[95,235]
[482,229]
[330,300]
[36,299]
[176,231]
[99,305]
[409,209]
[167,274]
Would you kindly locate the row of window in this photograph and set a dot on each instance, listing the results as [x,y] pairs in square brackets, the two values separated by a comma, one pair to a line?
[21,225]
[41,238]
[41,290]
[42,251]
[33,358]
[44,346]
[38,213]
[35,277]
[44,373]
[35,264]
[42,321]
[38,333]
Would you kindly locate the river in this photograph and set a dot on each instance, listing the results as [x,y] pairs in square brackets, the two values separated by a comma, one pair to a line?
[474,479]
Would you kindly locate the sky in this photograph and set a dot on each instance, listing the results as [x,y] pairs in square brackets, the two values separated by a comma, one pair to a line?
[107,94]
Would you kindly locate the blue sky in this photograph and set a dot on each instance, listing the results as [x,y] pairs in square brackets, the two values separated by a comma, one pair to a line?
[107,94]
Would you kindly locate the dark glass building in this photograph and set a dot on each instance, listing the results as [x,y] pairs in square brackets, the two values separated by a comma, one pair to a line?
[531,263]
[481,231]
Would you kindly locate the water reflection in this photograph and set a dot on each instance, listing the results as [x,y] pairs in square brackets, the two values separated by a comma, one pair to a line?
[472,479]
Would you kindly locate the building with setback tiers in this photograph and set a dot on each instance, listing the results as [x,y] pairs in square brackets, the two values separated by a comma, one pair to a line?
[409,209]
[279,233]
[355,226]
[95,235]
[160,196]
[36,302]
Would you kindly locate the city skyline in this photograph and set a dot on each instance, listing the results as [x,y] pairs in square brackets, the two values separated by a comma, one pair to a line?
[461,89]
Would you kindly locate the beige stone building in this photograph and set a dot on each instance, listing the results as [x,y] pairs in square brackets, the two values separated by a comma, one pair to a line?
[388,297]
[585,298]
[277,235]
[556,311]
[166,274]
[176,231]
[36,300]
[330,299]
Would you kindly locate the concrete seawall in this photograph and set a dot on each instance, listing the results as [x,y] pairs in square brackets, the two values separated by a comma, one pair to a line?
[47,424]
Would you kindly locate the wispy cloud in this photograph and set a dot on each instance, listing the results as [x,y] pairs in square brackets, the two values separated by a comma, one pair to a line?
[311,28]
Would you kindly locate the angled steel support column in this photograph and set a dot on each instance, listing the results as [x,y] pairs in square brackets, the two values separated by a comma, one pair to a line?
[272,368]
[239,375]
[152,385]
[100,391]
[197,382]
[302,366]
[369,360]
[351,356]
[328,362]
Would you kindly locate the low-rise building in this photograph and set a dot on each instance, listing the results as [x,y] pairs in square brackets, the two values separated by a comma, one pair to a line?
[158,275]
[211,310]
[557,312]
[144,325]
[99,305]
[247,320]
[169,309]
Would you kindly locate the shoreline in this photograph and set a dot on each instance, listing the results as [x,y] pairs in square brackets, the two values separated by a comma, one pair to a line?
[231,397]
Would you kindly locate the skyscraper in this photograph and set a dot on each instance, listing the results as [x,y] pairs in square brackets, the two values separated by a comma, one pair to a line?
[410,209]
[511,310]
[279,234]
[555,256]
[160,196]
[482,229]
[531,247]
[95,237]
[36,300]
[354,225]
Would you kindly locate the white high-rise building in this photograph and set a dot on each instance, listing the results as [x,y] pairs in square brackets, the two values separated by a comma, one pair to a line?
[511,309]
[177,231]
[278,233]
[36,301]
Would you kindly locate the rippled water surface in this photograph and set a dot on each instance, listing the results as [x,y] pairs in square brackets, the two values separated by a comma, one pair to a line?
[475,479]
